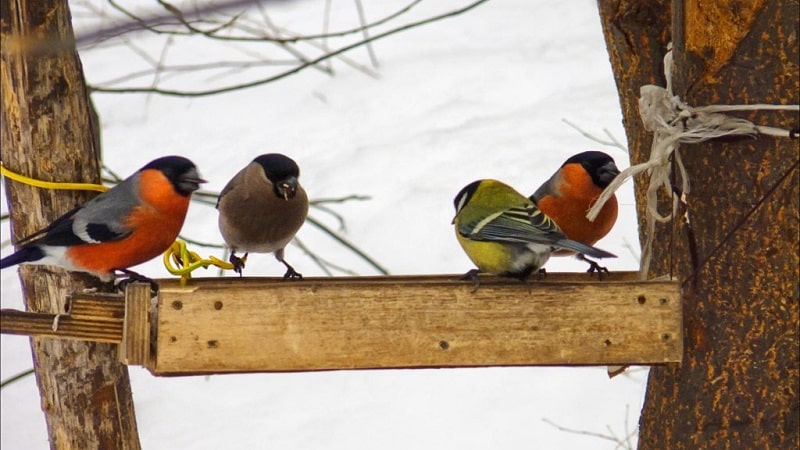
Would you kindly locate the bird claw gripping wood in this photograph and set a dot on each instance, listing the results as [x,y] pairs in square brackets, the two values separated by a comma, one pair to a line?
[291,274]
[238,263]
[594,267]
[133,277]
[473,276]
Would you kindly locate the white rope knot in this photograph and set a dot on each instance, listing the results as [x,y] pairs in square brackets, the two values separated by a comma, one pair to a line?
[673,122]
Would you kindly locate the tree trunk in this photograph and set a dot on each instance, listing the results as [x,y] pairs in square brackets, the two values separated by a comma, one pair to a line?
[47,134]
[738,384]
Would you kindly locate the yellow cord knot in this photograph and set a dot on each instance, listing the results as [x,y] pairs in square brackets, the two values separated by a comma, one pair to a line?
[187,261]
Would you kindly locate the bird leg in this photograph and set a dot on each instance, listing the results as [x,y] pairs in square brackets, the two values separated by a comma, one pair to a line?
[290,272]
[472,275]
[133,277]
[238,263]
[593,266]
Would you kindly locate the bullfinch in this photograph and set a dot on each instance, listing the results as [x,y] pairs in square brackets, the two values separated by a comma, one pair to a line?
[505,234]
[133,222]
[567,196]
[261,208]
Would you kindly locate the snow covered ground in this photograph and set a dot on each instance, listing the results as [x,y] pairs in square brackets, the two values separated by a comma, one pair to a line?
[480,95]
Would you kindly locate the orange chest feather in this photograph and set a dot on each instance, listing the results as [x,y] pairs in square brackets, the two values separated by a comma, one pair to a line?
[575,194]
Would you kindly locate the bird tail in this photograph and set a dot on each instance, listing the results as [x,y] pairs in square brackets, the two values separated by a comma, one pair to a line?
[583,248]
[25,254]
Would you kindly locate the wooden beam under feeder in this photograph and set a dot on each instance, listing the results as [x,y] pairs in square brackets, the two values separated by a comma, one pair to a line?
[226,325]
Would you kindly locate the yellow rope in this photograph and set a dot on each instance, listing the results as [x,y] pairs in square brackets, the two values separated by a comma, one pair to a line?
[187,261]
[51,184]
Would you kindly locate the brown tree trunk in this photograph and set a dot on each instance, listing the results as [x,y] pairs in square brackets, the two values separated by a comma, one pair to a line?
[738,384]
[47,134]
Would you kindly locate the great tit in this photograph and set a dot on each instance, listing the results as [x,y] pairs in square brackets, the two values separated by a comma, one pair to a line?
[505,234]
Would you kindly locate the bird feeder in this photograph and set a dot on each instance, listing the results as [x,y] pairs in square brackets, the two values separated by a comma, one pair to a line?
[231,325]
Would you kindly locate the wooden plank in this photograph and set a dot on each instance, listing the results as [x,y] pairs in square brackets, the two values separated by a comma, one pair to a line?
[65,327]
[135,345]
[97,306]
[259,324]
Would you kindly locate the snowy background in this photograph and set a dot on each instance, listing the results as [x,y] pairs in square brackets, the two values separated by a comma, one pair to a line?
[480,95]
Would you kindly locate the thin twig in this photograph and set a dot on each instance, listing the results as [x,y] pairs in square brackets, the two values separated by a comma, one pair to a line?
[322,262]
[612,142]
[581,432]
[337,237]
[16,377]
[154,23]
[365,32]
[200,243]
[296,69]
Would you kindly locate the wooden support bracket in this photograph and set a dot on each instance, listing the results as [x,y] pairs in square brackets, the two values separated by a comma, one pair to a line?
[224,325]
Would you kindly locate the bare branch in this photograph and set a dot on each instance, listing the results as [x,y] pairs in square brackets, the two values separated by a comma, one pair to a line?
[621,443]
[612,142]
[294,70]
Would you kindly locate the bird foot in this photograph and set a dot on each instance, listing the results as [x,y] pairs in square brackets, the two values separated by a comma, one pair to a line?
[238,263]
[291,274]
[541,274]
[472,275]
[134,277]
[595,268]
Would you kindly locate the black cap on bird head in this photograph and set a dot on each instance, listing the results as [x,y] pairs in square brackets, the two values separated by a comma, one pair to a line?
[282,172]
[600,166]
[464,195]
[180,171]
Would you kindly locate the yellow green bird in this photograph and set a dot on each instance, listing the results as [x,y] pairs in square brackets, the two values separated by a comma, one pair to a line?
[505,234]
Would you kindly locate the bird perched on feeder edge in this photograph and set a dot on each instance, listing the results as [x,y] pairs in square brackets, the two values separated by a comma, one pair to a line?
[505,234]
[261,209]
[569,193]
[131,223]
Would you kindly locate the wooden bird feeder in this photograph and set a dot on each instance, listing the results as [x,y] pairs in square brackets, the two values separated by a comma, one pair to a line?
[226,325]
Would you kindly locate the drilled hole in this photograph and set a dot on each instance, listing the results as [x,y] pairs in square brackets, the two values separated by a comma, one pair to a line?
[641,299]
[177,304]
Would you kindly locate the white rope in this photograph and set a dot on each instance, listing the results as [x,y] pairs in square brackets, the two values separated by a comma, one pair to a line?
[672,123]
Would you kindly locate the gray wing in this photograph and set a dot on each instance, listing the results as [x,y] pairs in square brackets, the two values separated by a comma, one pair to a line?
[236,180]
[527,226]
[547,187]
[102,218]
[515,225]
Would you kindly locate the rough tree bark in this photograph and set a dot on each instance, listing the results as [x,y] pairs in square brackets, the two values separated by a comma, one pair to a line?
[738,384]
[47,134]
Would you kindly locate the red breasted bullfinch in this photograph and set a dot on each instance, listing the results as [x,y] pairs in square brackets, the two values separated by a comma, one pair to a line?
[505,234]
[131,223]
[261,208]
[567,196]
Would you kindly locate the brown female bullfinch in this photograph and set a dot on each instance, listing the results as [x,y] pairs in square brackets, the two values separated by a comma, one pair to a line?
[261,208]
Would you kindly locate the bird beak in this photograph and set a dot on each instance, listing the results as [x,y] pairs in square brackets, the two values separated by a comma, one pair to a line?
[191,181]
[608,172]
[287,188]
